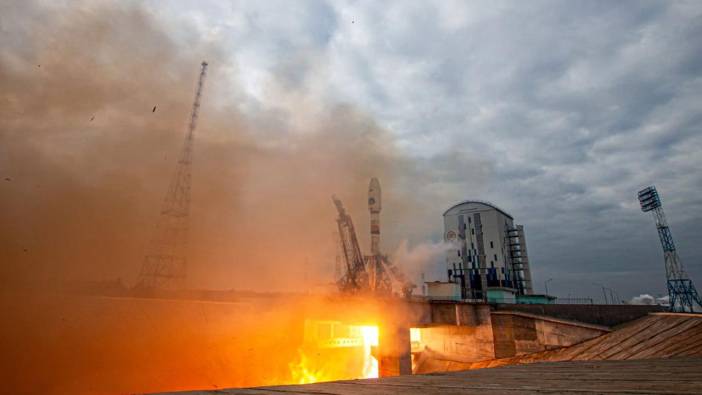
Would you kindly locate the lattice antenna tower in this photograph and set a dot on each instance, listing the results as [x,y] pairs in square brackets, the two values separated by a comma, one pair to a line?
[682,292]
[165,265]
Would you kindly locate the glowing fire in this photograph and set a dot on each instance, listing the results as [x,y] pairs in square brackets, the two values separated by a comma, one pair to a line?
[342,352]
[370,363]
[415,335]
[303,373]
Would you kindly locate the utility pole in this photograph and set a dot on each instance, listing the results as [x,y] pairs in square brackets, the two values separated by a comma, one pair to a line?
[682,292]
[165,265]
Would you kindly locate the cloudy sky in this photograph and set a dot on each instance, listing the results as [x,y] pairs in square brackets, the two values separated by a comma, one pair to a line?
[558,112]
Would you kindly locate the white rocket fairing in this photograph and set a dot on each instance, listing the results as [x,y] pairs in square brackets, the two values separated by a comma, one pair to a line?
[374,206]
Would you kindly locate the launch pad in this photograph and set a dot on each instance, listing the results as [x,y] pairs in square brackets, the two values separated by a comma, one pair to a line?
[368,274]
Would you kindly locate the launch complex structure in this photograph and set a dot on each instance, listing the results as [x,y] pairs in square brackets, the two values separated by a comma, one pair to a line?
[165,263]
[369,274]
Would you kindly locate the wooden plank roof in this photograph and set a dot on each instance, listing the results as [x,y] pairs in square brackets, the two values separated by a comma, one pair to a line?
[651,376]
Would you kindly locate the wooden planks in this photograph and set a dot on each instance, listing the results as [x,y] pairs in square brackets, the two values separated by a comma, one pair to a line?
[652,376]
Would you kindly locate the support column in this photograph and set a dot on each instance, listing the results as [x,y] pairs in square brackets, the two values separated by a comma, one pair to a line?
[395,353]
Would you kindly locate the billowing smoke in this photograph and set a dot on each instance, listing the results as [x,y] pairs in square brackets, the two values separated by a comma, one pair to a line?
[421,259]
[94,103]
[86,159]
[646,299]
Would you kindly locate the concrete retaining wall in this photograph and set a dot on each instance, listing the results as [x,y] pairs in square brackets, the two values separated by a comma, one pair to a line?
[520,333]
[459,343]
[461,314]
[464,333]
[606,315]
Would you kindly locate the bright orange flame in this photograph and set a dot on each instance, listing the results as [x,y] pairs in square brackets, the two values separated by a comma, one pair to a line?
[370,335]
[312,368]
[370,339]
[416,345]
[303,373]
[415,335]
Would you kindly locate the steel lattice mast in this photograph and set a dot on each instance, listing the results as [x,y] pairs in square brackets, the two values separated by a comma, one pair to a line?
[165,265]
[682,292]
[355,278]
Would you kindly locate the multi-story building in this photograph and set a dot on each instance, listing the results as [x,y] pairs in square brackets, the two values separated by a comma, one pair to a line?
[489,251]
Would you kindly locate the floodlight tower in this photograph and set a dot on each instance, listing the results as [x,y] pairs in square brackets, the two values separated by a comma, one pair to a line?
[681,290]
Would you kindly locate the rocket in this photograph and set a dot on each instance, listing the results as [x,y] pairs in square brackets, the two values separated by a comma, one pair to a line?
[374,207]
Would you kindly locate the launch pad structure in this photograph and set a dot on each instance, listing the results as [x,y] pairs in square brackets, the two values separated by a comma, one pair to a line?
[369,274]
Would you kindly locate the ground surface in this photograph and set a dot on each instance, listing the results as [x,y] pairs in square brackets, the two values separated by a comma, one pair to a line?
[651,376]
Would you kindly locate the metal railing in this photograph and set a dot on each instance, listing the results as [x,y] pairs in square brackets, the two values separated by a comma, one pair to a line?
[557,301]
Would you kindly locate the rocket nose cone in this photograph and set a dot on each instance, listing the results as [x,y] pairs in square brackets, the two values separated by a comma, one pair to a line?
[374,186]
[374,195]
[374,183]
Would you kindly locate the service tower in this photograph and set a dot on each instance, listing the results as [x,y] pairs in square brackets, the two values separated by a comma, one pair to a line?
[374,207]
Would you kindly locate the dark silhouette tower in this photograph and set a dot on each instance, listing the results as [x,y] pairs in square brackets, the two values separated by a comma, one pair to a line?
[355,277]
[682,292]
[165,265]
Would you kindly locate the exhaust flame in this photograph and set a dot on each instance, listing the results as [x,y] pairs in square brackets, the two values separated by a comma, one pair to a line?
[370,340]
[334,351]
[303,373]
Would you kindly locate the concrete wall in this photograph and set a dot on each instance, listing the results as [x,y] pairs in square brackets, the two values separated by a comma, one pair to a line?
[463,333]
[521,333]
[437,290]
[445,313]
[606,315]
[457,332]
[459,343]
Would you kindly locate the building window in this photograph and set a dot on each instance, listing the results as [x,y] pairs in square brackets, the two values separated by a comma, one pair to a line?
[472,247]
[492,264]
[472,231]
[495,256]
[459,252]
[492,245]
[470,258]
[469,219]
